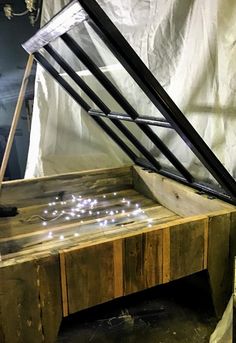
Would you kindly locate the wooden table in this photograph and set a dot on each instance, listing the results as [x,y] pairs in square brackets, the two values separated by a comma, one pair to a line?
[85,238]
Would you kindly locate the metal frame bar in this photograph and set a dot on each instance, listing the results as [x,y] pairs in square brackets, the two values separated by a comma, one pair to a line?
[121,49]
[122,116]
[89,92]
[52,71]
[78,11]
[121,100]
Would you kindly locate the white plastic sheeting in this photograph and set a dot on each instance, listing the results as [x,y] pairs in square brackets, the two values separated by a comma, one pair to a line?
[190,48]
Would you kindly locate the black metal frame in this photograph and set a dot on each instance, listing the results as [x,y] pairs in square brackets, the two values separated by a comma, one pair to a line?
[75,13]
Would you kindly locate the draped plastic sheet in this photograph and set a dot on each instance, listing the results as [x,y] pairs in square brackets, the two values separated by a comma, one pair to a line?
[190,48]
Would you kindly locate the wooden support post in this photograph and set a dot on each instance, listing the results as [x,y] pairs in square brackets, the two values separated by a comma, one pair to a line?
[218,261]
[30,301]
[16,117]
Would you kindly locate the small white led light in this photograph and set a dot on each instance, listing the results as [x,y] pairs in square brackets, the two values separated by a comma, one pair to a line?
[44,223]
[61,237]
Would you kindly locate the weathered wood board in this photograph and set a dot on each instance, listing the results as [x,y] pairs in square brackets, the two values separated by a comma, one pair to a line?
[137,230]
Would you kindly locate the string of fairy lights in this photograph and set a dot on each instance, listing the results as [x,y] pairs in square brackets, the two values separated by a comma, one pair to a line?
[97,215]
[77,208]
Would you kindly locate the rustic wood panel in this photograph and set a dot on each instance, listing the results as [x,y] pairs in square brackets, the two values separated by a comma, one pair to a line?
[90,276]
[142,261]
[30,309]
[182,200]
[219,271]
[187,248]
[41,190]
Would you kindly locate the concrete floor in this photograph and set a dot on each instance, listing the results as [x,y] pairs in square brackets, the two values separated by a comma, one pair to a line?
[178,312]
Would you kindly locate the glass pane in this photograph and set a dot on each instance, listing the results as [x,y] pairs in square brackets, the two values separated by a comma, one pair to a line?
[94,47]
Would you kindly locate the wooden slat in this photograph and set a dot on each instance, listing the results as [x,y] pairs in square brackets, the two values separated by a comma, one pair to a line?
[142,261]
[118,268]
[16,117]
[63,284]
[187,248]
[90,276]
[166,254]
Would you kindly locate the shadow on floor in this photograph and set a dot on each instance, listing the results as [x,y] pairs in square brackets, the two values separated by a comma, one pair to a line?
[181,312]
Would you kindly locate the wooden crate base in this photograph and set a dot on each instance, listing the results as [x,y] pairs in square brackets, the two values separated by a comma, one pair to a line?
[143,230]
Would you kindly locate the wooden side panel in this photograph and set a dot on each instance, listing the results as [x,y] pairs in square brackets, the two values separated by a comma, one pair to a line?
[92,275]
[30,308]
[218,260]
[184,249]
[182,200]
[142,261]
[42,190]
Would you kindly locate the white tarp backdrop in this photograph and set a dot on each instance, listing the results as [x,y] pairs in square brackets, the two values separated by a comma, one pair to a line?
[190,48]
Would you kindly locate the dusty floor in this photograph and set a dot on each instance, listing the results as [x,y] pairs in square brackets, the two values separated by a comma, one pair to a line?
[178,312]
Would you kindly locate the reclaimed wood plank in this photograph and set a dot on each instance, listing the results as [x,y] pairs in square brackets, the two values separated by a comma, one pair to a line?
[118,268]
[50,296]
[142,261]
[40,190]
[166,254]
[187,248]
[90,276]
[64,294]
[30,309]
